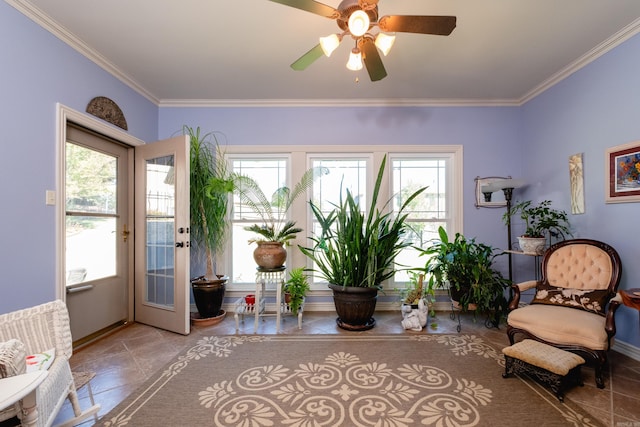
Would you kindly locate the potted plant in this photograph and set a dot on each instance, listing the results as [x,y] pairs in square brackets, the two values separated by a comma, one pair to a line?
[542,223]
[295,289]
[355,252]
[467,266]
[274,232]
[211,184]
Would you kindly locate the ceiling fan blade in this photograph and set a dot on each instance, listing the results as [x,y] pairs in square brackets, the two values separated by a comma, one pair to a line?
[311,6]
[308,58]
[438,25]
[372,60]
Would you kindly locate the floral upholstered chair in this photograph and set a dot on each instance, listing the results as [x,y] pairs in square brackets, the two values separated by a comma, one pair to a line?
[575,301]
[43,329]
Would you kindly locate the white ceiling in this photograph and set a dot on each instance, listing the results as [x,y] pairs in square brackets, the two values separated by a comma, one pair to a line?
[239,51]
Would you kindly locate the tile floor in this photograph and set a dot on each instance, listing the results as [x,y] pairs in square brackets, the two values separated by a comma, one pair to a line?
[127,357]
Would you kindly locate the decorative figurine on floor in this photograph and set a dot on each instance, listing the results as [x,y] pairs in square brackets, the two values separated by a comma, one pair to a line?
[415,318]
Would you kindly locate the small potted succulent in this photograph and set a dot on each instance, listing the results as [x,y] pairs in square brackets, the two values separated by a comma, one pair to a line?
[542,223]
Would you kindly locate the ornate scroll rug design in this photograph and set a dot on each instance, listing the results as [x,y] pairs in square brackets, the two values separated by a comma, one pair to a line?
[364,380]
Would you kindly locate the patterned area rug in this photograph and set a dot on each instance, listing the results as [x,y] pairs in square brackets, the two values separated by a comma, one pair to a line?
[328,380]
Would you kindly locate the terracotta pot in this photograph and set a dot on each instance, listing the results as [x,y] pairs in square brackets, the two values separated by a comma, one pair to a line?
[270,255]
[355,307]
[209,295]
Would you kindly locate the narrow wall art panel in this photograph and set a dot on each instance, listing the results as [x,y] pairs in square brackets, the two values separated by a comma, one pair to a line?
[576,179]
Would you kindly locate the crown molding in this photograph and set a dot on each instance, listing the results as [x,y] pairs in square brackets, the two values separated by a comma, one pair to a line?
[40,18]
[617,39]
[230,103]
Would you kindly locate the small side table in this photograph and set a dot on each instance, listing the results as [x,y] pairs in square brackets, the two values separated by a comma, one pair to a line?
[22,387]
[631,297]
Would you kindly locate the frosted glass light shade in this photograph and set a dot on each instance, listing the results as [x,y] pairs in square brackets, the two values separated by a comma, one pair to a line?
[359,23]
[502,184]
[355,60]
[384,42]
[329,44]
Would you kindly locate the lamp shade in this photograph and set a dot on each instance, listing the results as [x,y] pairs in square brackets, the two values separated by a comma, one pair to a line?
[329,43]
[384,42]
[359,23]
[501,184]
[355,60]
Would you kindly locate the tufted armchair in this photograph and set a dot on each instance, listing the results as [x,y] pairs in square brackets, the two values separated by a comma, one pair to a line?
[35,330]
[575,301]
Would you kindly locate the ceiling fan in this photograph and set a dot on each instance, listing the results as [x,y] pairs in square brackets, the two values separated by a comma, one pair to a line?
[356,18]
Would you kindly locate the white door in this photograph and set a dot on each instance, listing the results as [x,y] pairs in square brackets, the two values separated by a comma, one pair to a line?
[162,234]
[96,221]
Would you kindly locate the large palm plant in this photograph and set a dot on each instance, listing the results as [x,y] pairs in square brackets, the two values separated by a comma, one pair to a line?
[211,183]
[273,211]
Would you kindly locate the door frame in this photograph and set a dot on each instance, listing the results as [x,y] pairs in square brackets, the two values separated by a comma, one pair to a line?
[64,115]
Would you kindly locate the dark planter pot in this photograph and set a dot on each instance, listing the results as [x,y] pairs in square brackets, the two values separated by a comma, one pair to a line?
[355,307]
[208,295]
[458,294]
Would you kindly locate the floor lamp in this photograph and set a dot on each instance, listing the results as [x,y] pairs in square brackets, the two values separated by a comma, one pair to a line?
[506,185]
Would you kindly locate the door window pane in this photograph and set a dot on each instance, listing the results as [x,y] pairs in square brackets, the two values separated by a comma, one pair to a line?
[160,213]
[91,179]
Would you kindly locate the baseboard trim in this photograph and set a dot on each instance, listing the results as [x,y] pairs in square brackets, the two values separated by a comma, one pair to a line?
[627,349]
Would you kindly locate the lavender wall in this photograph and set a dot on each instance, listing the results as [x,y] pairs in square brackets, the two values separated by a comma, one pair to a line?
[592,110]
[38,71]
[490,137]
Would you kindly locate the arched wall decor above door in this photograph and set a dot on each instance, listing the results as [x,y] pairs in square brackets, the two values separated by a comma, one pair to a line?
[106,109]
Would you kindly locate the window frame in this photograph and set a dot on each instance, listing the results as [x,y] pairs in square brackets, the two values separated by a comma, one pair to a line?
[300,159]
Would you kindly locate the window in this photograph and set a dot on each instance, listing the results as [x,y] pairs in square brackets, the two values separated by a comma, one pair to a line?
[271,173]
[354,168]
[426,212]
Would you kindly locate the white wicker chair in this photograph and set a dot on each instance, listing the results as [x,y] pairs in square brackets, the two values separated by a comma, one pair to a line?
[39,329]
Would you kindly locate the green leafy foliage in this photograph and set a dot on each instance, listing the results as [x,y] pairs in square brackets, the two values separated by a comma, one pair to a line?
[273,211]
[541,220]
[297,287]
[210,186]
[467,266]
[358,249]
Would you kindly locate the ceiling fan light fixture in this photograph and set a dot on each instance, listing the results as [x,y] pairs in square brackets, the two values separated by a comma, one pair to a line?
[330,43]
[355,60]
[384,42]
[359,23]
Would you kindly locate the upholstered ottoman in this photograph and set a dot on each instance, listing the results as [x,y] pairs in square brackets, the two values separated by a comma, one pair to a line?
[551,366]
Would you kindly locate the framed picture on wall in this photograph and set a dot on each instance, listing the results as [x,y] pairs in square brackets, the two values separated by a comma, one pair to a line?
[622,168]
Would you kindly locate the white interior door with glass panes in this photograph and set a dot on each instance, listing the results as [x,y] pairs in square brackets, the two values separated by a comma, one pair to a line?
[162,244]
